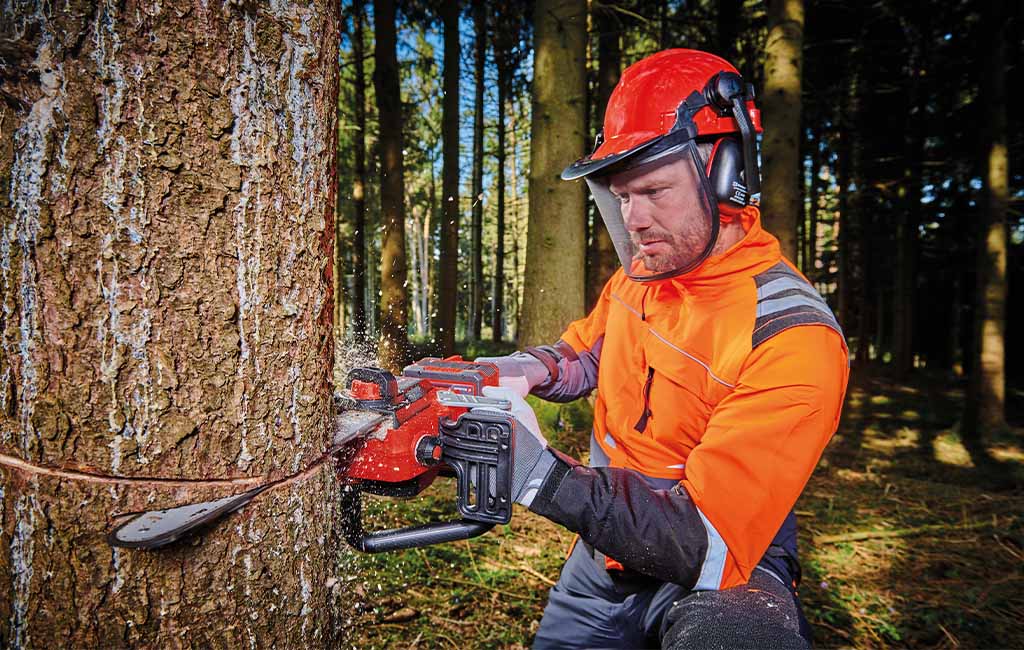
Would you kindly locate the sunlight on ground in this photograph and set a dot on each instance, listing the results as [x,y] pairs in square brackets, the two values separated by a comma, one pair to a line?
[904,438]
[949,450]
[855,399]
[850,588]
[1008,453]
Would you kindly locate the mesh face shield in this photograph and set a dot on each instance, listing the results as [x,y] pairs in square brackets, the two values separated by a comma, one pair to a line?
[660,212]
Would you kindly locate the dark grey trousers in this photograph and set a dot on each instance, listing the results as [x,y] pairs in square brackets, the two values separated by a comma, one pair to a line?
[588,608]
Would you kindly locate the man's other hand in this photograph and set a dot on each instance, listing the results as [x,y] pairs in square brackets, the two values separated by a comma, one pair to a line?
[519,371]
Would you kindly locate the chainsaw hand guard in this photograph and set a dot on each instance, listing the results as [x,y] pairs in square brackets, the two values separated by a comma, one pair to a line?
[479,448]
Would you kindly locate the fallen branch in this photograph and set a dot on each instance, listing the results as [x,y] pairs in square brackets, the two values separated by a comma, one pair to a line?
[902,532]
[537,574]
[470,583]
[523,566]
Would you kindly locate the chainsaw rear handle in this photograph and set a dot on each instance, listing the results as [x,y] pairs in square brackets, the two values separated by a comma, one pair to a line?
[478,447]
[399,539]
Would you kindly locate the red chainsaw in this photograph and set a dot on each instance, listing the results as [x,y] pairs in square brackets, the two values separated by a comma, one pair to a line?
[394,436]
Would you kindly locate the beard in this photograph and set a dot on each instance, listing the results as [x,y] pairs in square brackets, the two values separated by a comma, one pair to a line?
[678,249]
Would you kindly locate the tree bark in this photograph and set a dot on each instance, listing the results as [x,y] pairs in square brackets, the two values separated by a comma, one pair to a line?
[394,341]
[448,271]
[501,56]
[985,412]
[359,170]
[167,225]
[480,57]
[781,106]
[556,241]
[601,256]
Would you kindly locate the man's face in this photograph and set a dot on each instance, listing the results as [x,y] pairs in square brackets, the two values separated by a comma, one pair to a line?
[663,211]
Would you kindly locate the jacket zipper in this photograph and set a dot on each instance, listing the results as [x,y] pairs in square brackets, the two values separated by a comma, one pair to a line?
[641,424]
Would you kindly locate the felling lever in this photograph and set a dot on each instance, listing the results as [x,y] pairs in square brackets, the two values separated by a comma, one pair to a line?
[395,435]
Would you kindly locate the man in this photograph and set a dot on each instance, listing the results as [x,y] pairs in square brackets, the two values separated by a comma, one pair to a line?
[720,374]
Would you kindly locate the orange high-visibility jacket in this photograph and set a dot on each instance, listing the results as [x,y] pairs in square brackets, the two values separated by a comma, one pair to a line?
[729,378]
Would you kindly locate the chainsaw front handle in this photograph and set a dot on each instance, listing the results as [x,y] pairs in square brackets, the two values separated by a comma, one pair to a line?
[399,539]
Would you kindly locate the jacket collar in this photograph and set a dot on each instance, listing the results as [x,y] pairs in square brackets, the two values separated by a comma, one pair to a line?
[758,250]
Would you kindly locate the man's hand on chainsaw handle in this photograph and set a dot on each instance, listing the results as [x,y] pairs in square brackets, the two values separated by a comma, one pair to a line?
[532,459]
[520,371]
[557,373]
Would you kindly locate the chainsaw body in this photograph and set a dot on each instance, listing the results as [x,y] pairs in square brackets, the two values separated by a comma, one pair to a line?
[430,432]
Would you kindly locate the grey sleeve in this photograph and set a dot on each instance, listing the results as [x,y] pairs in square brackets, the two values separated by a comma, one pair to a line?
[572,374]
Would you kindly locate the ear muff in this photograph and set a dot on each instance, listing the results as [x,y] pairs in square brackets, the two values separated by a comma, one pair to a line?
[725,171]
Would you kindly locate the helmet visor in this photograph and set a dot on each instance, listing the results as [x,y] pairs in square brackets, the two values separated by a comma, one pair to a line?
[660,213]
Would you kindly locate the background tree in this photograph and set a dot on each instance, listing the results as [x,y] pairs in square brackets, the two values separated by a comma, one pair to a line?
[167,226]
[394,342]
[479,63]
[358,268]
[511,42]
[448,266]
[423,113]
[601,257]
[780,104]
[555,241]
[985,412]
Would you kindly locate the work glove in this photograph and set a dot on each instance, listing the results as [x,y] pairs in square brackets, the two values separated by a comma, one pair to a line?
[519,371]
[531,459]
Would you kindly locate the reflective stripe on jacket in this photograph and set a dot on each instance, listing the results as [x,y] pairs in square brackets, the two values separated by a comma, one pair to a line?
[729,379]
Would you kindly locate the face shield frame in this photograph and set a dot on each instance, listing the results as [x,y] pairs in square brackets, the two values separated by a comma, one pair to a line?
[669,150]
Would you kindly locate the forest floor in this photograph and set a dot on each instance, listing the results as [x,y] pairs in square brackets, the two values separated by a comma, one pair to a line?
[907,540]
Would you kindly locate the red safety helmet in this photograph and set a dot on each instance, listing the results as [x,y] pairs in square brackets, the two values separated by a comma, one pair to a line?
[674,91]
[661,108]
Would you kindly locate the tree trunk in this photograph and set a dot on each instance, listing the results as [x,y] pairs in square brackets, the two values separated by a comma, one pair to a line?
[858,219]
[907,237]
[730,13]
[517,229]
[167,226]
[498,288]
[781,108]
[985,413]
[448,272]
[359,170]
[662,25]
[817,191]
[556,241]
[477,297]
[394,341]
[417,282]
[602,259]
[433,230]
[844,241]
